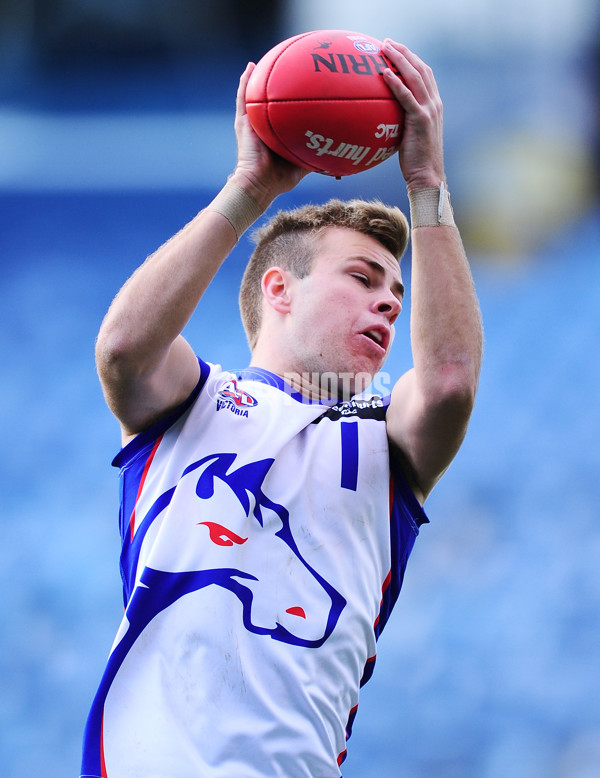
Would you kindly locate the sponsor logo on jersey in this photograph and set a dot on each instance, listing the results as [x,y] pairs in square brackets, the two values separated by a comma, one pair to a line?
[235,400]
[365,408]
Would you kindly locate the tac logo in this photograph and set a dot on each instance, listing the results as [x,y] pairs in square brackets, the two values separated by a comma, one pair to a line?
[235,400]
[387,131]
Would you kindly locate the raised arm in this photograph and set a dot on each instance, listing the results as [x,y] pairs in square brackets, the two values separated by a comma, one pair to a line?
[146,367]
[431,404]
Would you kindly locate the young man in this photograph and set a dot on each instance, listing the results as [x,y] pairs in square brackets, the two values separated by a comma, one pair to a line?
[267,516]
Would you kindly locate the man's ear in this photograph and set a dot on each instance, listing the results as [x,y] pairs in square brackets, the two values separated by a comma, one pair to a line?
[276,289]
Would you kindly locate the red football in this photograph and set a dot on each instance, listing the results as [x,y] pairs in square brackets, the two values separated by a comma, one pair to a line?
[319,100]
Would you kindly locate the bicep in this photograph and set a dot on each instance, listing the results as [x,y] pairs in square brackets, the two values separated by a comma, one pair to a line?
[140,399]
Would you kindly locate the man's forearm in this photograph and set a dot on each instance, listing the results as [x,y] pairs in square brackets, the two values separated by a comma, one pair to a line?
[446,329]
[144,364]
[156,303]
[158,300]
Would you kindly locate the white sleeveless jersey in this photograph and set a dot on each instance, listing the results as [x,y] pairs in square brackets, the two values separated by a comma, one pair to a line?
[264,540]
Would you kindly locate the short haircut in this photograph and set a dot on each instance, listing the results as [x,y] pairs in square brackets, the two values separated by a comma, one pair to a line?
[289,240]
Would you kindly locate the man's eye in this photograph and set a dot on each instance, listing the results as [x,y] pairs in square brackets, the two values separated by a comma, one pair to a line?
[362,278]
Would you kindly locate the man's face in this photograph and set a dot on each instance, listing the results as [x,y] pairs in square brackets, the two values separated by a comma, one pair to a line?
[343,311]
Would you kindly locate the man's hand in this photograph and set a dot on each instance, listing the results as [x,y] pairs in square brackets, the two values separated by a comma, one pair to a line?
[260,171]
[421,153]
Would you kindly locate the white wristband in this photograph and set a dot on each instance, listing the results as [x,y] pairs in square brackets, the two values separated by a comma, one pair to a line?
[239,208]
[430,207]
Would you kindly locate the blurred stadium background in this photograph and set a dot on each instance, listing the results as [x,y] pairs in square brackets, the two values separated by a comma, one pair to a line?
[115,128]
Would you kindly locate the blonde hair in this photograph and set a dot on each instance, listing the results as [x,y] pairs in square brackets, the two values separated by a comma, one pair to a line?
[289,240]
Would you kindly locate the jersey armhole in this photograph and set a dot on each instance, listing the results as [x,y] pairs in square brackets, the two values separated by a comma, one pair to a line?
[406,518]
[414,511]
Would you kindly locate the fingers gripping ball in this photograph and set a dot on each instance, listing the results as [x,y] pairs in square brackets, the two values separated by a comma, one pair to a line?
[319,100]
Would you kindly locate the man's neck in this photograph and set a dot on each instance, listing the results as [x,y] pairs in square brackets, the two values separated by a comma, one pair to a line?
[314,386]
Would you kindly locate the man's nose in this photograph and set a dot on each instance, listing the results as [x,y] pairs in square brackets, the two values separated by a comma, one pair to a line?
[389,305]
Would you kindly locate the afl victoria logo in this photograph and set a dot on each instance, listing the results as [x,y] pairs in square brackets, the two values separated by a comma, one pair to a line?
[231,392]
[366,47]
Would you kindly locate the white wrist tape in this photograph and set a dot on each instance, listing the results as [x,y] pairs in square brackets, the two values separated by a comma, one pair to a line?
[430,207]
[239,208]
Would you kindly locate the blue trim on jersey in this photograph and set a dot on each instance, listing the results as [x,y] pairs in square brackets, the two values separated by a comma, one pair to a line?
[253,373]
[407,516]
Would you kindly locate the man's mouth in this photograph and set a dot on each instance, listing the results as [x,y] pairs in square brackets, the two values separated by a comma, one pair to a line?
[378,336]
